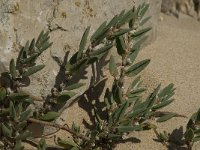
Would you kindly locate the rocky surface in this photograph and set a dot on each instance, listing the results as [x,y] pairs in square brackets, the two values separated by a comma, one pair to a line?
[179,8]
[22,20]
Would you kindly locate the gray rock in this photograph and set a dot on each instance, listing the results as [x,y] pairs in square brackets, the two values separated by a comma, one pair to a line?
[181,7]
[22,20]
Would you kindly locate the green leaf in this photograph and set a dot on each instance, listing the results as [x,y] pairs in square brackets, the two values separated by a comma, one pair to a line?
[138,43]
[166,117]
[32,45]
[18,145]
[74,148]
[2,93]
[121,111]
[33,70]
[83,42]
[18,96]
[134,84]
[65,96]
[98,31]
[19,58]
[137,113]
[21,125]
[120,44]
[126,18]
[167,90]
[121,32]
[108,98]
[133,54]
[125,128]
[113,67]
[100,51]
[196,139]
[24,135]
[6,131]
[74,86]
[45,46]
[152,97]
[26,47]
[117,93]
[39,37]
[50,116]
[12,110]
[145,20]
[162,104]
[136,92]
[141,32]
[30,59]
[137,68]
[13,69]
[143,10]
[189,134]
[198,116]
[25,115]
[42,144]
[79,65]
[66,144]
[113,22]
[114,136]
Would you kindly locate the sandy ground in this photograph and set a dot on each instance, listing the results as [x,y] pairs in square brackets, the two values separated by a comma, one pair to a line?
[174,58]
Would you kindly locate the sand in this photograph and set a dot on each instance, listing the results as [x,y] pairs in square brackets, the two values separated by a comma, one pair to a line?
[174,58]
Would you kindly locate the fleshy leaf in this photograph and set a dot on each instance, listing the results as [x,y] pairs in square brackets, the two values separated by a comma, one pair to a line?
[113,67]
[120,44]
[166,117]
[74,86]
[13,69]
[189,134]
[66,144]
[65,96]
[83,42]
[51,115]
[25,115]
[2,93]
[137,68]
[33,70]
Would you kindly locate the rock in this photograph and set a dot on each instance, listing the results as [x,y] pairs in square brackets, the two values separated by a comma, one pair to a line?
[22,20]
[179,8]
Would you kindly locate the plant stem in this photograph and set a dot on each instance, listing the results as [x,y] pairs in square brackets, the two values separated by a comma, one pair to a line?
[60,127]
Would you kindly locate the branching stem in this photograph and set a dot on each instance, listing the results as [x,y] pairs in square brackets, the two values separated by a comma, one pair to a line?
[60,127]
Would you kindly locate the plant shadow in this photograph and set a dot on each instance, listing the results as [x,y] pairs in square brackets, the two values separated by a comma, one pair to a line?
[175,140]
